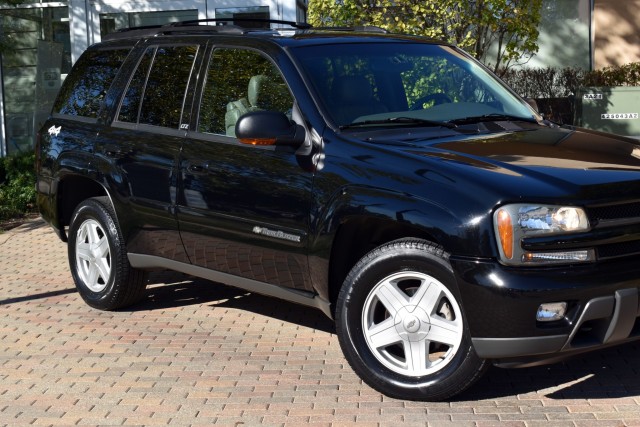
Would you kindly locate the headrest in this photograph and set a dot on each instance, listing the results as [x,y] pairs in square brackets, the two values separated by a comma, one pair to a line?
[268,93]
[256,87]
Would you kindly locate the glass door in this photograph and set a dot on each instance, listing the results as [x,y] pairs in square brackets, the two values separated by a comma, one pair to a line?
[36,55]
[112,22]
[111,16]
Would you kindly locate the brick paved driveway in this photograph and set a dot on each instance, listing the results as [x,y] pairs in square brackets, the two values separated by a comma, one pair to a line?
[198,353]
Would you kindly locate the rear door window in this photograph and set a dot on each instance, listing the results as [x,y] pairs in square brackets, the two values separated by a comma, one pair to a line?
[157,90]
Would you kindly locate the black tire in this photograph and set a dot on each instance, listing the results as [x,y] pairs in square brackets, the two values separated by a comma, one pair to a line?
[98,259]
[400,300]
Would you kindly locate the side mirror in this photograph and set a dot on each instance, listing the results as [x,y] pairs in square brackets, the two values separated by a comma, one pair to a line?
[269,128]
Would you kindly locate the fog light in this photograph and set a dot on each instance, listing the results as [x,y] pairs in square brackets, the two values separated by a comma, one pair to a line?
[551,312]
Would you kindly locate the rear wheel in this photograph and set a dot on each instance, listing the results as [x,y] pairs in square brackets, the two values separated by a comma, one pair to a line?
[98,260]
[401,325]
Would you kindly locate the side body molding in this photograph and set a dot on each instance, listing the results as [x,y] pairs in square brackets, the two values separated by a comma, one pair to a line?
[296,296]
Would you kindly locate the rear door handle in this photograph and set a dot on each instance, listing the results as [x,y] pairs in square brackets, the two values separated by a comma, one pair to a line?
[113,150]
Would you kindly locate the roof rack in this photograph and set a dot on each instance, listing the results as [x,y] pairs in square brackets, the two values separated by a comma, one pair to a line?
[226,26]
[158,30]
[193,26]
[298,25]
[358,28]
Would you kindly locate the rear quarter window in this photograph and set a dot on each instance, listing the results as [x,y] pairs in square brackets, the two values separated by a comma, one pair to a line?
[84,89]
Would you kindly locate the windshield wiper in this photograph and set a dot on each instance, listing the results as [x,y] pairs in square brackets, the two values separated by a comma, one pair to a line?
[490,118]
[411,121]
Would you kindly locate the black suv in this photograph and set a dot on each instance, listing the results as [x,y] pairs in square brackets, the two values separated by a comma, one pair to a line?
[390,181]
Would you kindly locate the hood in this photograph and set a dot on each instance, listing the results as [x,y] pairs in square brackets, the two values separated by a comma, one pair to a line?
[570,156]
[532,161]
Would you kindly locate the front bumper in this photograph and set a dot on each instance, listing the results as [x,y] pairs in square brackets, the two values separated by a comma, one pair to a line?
[500,305]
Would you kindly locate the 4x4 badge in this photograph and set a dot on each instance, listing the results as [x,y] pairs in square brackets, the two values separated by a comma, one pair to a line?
[53,130]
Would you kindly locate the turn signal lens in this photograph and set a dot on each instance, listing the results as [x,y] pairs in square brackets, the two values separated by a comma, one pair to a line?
[560,256]
[258,141]
[505,231]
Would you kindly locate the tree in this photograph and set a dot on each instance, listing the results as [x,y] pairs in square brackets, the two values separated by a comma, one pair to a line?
[501,33]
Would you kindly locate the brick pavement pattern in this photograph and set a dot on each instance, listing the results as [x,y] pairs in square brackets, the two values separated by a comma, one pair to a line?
[199,353]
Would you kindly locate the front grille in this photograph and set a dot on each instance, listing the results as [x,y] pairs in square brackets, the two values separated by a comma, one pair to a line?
[621,219]
[614,212]
[616,250]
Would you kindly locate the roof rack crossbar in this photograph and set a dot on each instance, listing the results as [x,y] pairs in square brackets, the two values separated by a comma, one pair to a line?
[298,25]
[156,30]
[358,28]
[193,26]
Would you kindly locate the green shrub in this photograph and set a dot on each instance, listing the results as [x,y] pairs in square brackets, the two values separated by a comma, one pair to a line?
[562,82]
[554,89]
[623,75]
[17,185]
[543,82]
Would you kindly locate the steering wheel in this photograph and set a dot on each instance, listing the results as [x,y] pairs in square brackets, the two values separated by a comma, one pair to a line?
[437,98]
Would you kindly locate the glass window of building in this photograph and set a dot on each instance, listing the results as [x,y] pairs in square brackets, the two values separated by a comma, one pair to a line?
[112,22]
[244,13]
[36,55]
[565,35]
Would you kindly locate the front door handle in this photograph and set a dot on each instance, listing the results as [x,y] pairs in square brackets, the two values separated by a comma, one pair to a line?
[198,168]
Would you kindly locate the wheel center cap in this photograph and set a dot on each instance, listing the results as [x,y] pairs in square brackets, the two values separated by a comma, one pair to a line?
[411,323]
[93,253]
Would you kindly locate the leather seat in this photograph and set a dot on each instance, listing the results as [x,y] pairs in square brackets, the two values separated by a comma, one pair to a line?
[235,109]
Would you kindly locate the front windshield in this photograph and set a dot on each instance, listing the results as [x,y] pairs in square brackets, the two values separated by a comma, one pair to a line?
[363,83]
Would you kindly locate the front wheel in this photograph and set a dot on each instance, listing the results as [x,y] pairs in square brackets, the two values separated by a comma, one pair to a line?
[98,260]
[401,326]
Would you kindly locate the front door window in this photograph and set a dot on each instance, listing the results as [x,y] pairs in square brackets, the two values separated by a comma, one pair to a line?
[240,81]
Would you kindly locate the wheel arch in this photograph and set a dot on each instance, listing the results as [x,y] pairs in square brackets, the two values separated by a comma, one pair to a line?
[71,190]
[360,235]
[363,219]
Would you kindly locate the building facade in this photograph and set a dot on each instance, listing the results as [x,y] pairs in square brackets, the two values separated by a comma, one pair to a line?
[588,34]
[41,40]
[616,28]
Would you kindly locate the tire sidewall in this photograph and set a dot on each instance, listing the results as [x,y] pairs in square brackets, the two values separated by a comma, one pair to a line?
[376,266]
[93,210]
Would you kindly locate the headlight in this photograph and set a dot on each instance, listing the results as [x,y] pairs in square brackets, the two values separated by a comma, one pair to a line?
[512,223]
